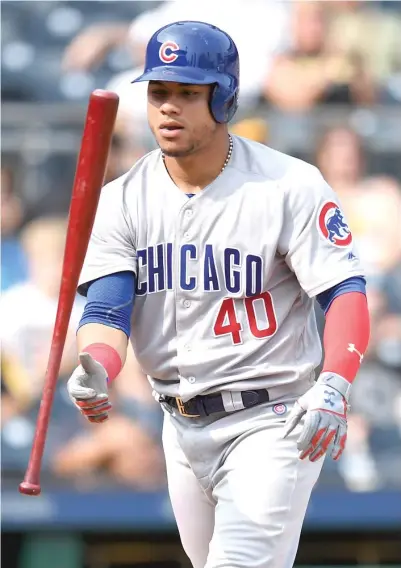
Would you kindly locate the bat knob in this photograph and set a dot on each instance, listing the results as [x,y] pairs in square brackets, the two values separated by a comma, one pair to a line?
[27,488]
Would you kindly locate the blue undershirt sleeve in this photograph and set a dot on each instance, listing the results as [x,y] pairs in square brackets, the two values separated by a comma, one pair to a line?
[353,284]
[110,301]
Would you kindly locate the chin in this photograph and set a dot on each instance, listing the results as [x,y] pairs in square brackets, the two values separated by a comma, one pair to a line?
[174,150]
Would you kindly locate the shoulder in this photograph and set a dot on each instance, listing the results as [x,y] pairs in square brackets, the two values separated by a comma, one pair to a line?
[272,165]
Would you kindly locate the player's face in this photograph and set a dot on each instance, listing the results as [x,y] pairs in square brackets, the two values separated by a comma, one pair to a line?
[179,117]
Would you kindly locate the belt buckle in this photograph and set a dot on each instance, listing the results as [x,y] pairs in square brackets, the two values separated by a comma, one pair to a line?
[181,409]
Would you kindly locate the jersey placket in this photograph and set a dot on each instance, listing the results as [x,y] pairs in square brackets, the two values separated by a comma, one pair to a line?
[186,253]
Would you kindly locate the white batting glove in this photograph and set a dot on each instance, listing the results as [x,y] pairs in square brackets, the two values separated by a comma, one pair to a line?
[87,388]
[324,407]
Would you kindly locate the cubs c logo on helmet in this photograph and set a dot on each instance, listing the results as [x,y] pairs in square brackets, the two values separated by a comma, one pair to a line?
[166,51]
[332,225]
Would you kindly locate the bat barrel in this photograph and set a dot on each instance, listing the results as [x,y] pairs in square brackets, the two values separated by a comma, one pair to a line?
[88,181]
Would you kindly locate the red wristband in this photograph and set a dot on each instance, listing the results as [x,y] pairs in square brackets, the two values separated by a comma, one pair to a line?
[106,356]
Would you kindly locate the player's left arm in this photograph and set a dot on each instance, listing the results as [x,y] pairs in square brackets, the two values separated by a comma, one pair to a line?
[333,275]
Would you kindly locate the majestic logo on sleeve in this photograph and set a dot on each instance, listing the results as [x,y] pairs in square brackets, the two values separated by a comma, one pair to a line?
[167,51]
[332,225]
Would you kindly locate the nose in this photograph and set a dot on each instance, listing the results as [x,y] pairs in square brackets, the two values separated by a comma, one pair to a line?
[170,106]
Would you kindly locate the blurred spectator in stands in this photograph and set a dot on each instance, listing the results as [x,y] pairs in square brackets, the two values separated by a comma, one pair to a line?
[125,150]
[372,204]
[29,309]
[28,312]
[373,209]
[311,71]
[256,28]
[353,24]
[13,262]
[253,128]
[114,167]
[90,47]
[340,157]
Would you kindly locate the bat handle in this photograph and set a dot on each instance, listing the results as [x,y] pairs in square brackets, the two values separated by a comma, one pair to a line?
[31,483]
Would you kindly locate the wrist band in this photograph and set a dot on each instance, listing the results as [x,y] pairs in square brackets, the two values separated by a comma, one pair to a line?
[106,356]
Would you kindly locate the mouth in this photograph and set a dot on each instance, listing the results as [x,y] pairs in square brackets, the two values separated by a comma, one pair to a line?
[170,130]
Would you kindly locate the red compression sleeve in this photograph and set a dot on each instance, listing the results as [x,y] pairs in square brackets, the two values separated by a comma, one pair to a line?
[106,356]
[346,334]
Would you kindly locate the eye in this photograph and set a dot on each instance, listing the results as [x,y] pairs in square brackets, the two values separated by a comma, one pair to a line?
[158,92]
[190,93]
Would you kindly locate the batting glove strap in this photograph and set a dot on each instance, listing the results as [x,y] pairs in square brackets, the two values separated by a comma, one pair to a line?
[337,382]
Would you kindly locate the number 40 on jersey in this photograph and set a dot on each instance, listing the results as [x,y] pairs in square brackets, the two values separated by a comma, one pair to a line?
[227,322]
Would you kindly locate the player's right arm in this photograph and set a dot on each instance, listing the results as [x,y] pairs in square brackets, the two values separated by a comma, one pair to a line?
[108,282]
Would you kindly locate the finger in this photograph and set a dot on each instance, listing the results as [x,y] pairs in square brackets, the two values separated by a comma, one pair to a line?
[98,419]
[96,411]
[339,444]
[88,363]
[293,419]
[309,430]
[316,455]
[303,455]
[322,447]
[314,443]
[83,393]
[101,399]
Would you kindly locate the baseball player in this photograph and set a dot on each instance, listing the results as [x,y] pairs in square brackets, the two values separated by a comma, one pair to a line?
[208,255]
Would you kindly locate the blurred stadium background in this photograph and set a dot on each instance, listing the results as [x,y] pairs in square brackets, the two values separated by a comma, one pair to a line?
[320,80]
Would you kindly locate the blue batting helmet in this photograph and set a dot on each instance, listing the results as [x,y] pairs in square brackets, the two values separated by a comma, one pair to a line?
[199,54]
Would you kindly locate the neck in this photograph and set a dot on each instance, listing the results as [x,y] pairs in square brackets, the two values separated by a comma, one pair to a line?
[194,172]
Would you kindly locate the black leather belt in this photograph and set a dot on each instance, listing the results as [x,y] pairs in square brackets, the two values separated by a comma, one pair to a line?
[200,406]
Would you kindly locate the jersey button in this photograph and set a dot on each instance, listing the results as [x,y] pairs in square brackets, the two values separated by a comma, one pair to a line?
[191,380]
[186,235]
[187,304]
[187,347]
[188,213]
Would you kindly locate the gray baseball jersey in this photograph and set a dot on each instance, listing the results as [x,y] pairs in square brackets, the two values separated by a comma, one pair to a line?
[225,279]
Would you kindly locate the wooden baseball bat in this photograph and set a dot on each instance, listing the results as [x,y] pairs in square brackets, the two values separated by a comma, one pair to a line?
[88,181]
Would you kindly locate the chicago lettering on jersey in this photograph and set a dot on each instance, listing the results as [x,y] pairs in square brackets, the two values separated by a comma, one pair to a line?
[204,268]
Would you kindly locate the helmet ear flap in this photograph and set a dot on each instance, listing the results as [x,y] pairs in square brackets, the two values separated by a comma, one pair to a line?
[223,104]
[232,106]
[212,101]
